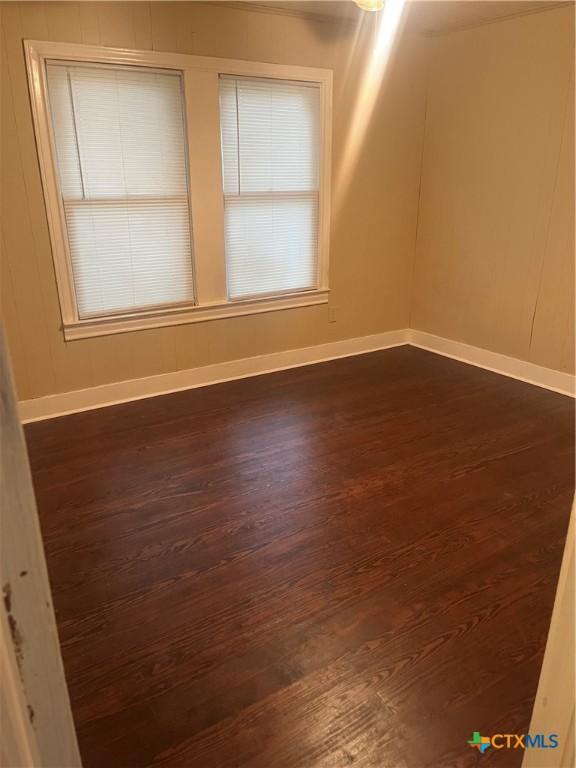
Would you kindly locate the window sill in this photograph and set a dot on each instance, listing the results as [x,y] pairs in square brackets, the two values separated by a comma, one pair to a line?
[85,329]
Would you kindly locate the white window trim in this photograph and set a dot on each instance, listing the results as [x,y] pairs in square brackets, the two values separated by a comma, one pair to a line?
[200,76]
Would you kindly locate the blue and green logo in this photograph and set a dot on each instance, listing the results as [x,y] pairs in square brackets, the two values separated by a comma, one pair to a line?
[481,743]
[513,741]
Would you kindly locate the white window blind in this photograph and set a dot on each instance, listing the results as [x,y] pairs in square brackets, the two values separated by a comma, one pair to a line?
[120,145]
[270,158]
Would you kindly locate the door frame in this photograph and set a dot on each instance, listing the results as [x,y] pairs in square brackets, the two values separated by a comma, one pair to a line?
[35,716]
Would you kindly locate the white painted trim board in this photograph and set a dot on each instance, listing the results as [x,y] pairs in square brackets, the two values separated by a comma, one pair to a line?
[161,384]
[164,383]
[522,370]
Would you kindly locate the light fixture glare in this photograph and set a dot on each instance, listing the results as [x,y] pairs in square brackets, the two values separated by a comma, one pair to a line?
[370,5]
[385,28]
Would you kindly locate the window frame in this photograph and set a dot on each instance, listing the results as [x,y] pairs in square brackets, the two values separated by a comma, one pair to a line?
[200,77]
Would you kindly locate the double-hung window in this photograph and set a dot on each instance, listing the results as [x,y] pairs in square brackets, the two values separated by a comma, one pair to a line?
[119,139]
[270,151]
[180,188]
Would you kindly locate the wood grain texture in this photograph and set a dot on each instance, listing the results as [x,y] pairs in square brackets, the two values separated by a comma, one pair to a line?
[348,564]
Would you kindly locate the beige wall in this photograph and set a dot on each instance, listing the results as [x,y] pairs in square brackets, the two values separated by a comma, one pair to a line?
[495,248]
[372,239]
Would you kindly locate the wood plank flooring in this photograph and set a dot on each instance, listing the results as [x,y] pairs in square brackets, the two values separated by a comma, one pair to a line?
[352,563]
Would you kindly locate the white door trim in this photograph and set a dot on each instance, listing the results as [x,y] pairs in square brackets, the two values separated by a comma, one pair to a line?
[36,724]
[554,705]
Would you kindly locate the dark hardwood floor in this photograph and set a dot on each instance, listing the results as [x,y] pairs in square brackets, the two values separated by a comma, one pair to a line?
[352,563]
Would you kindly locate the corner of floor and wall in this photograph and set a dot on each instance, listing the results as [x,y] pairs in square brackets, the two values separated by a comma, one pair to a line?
[455,233]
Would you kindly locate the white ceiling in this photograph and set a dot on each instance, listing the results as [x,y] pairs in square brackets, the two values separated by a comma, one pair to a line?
[423,15]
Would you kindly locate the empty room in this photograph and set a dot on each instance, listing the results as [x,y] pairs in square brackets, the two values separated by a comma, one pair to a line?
[287,384]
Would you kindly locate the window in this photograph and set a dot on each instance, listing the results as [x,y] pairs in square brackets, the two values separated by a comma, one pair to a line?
[270,151]
[180,188]
[121,157]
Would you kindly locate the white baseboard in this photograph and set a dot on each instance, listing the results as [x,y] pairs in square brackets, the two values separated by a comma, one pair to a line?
[531,373]
[136,389]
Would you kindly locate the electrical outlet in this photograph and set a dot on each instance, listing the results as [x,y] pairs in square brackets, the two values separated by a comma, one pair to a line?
[331,314]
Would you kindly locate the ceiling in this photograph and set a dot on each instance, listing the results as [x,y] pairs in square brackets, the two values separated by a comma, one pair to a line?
[423,15]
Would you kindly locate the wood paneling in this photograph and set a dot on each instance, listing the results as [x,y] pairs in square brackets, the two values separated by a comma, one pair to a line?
[552,340]
[372,239]
[352,563]
[495,250]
